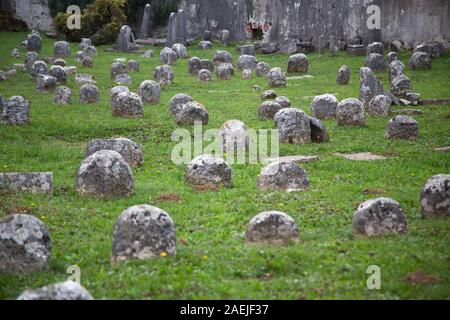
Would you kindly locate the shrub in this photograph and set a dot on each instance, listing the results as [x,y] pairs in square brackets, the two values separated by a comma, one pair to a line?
[100,21]
[10,23]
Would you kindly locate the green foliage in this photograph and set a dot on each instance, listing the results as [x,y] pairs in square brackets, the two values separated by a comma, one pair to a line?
[57,6]
[212,260]
[100,21]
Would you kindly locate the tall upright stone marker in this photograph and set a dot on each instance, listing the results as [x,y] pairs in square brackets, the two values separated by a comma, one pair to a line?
[145,30]
[177,28]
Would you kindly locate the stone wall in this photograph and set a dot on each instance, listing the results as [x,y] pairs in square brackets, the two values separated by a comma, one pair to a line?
[409,20]
[35,13]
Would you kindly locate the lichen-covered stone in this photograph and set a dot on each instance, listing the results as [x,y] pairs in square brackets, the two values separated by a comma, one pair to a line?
[247,49]
[269,95]
[246,74]
[375,62]
[167,56]
[392,56]
[68,290]
[324,106]
[105,174]
[234,136]
[59,73]
[401,86]
[61,49]
[298,63]
[343,76]
[25,244]
[268,109]
[129,150]
[208,172]
[114,92]
[34,42]
[16,111]
[351,112]
[195,65]
[276,78]
[87,62]
[123,79]
[39,67]
[33,182]
[247,62]
[205,45]
[192,112]
[293,126]
[284,101]
[370,86]
[150,91]
[180,50]
[164,75]
[272,227]
[222,57]
[30,58]
[204,75]
[45,83]
[435,196]
[380,106]
[118,68]
[127,104]
[262,69]
[133,66]
[402,127]
[396,68]
[224,71]
[143,232]
[89,93]
[378,217]
[375,47]
[420,61]
[286,176]
[177,102]
[63,95]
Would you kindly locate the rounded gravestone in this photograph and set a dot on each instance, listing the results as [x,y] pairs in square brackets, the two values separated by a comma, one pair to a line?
[298,63]
[143,232]
[262,69]
[34,42]
[401,86]
[420,61]
[89,93]
[114,92]
[402,127]
[268,109]
[30,58]
[195,65]
[167,56]
[68,290]
[268,95]
[105,174]
[435,196]
[247,62]
[392,56]
[208,173]
[87,61]
[129,150]
[180,50]
[378,217]
[204,45]
[39,67]
[206,64]
[177,102]
[127,104]
[282,176]
[375,62]
[277,78]
[191,113]
[272,227]
[379,106]
[118,68]
[375,47]
[396,69]
[59,73]
[319,132]
[351,112]
[222,57]
[16,111]
[324,106]
[224,71]
[248,49]
[45,83]
[293,126]
[62,95]
[61,49]
[164,75]
[343,76]
[234,136]
[133,66]
[283,101]
[25,244]
[204,75]
[150,91]
[246,74]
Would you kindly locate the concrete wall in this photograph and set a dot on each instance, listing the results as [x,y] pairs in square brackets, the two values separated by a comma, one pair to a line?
[409,20]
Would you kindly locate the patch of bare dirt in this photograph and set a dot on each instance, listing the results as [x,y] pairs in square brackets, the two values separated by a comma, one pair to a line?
[420,277]
[168,197]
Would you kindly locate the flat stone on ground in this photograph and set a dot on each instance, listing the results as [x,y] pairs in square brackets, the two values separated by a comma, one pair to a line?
[362,156]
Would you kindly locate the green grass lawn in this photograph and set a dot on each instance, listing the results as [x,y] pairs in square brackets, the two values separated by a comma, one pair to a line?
[212,261]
